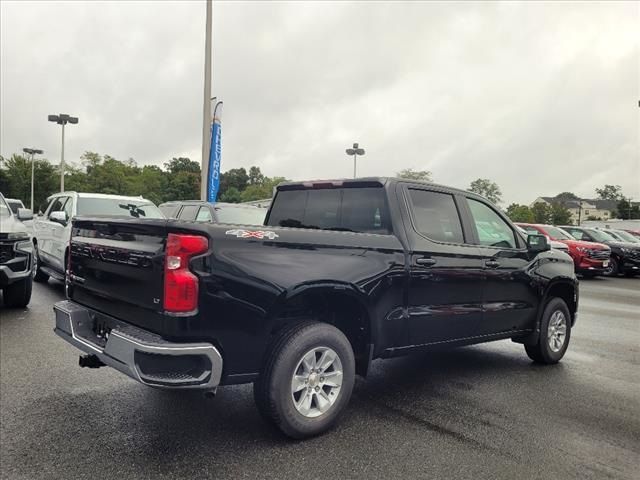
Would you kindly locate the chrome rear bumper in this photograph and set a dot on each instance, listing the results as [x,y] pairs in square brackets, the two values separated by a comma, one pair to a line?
[139,354]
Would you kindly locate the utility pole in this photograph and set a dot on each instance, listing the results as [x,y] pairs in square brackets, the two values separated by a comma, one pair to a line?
[32,152]
[355,151]
[62,119]
[206,104]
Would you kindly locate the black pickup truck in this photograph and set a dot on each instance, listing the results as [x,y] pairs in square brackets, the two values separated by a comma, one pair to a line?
[343,272]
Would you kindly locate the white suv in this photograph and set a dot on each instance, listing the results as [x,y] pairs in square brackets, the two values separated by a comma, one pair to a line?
[52,230]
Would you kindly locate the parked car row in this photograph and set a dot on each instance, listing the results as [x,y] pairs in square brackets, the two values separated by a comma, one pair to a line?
[595,251]
[625,255]
[16,255]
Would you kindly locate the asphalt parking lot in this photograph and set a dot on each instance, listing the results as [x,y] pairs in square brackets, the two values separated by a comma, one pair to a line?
[477,412]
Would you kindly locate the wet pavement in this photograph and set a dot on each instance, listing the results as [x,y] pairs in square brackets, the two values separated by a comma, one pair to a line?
[476,412]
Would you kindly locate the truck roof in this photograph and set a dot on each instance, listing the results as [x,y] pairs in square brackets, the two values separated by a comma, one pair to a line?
[372,181]
[203,202]
[100,195]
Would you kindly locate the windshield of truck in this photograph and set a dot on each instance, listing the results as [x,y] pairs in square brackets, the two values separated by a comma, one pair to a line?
[601,236]
[14,205]
[626,237]
[118,207]
[240,215]
[4,208]
[558,234]
[357,209]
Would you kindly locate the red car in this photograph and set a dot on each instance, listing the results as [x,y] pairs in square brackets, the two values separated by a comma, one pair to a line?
[590,259]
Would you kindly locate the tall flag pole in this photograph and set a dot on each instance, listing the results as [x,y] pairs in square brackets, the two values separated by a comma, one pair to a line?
[213,180]
[206,107]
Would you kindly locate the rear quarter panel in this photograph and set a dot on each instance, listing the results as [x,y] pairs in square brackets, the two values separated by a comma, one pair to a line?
[246,281]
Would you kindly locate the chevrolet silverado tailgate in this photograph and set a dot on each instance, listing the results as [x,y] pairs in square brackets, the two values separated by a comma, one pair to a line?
[117,267]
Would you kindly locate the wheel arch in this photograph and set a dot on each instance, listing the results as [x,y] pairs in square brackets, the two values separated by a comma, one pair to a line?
[565,290]
[340,304]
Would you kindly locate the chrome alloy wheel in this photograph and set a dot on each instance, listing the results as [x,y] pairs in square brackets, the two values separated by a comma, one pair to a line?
[557,331]
[316,382]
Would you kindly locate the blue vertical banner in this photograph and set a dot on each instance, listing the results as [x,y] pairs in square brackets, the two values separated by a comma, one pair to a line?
[215,154]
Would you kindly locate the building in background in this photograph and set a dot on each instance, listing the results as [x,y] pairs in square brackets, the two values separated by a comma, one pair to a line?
[583,209]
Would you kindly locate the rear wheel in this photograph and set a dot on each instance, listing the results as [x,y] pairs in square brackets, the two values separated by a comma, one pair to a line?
[18,294]
[307,379]
[38,275]
[555,332]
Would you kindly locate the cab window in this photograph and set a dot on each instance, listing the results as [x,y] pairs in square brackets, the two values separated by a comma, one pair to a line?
[204,215]
[188,212]
[492,230]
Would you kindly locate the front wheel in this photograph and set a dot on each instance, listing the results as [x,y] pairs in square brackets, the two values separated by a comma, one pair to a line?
[18,294]
[38,275]
[307,379]
[555,332]
[612,268]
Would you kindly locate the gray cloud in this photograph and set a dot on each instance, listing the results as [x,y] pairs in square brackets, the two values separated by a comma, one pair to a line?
[541,98]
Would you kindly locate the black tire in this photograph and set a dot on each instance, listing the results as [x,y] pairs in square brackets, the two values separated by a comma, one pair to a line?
[18,294]
[273,389]
[542,351]
[38,275]
[613,269]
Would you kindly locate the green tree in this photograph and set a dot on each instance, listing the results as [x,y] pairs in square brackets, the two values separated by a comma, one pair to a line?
[151,183]
[520,213]
[236,178]
[488,189]
[255,176]
[411,174]
[627,211]
[183,179]
[259,192]
[232,195]
[541,212]
[182,164]
[564,196]
[16,182]
[610,192]
[560,215]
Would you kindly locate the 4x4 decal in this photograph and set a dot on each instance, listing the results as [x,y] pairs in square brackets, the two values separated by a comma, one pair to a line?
[259,234]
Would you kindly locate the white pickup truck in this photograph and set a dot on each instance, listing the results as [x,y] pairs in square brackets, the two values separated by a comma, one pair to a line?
[52,230]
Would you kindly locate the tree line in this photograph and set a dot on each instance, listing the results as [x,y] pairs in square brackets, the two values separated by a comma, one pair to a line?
[96,173]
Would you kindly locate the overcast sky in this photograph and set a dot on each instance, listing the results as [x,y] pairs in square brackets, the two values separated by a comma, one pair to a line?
[541,98]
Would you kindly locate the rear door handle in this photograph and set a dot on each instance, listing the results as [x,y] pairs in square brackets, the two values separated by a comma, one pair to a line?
[492,264]
[426,262]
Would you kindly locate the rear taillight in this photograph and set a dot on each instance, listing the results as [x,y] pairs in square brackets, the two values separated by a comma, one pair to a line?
[180,285]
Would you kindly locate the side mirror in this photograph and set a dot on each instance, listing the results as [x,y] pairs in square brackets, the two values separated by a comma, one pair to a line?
[537,243]
[58,217]
[24,214]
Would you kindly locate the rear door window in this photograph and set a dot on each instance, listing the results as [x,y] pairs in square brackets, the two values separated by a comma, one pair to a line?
[188,212]
[169,211]
[436,216]
[358,209]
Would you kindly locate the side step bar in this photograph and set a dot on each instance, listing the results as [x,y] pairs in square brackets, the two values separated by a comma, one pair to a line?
[53,273]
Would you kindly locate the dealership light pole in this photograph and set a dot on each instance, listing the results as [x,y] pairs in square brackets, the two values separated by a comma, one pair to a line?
[32,152]
[62,119]
[355,151]
[206,105]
